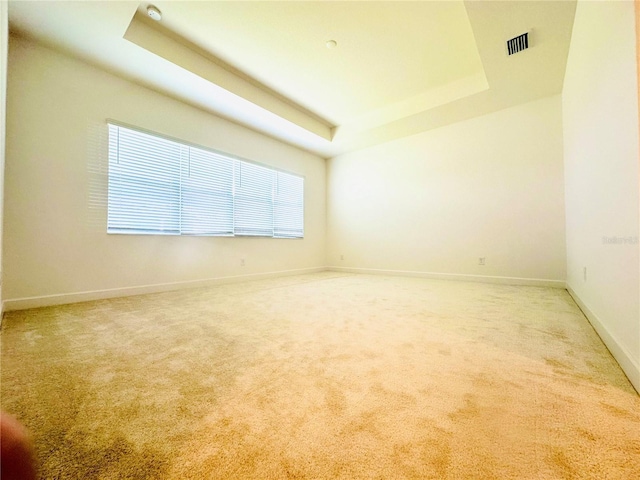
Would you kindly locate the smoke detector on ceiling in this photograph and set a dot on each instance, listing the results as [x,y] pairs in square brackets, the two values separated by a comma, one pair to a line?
[154,13]
[517,44]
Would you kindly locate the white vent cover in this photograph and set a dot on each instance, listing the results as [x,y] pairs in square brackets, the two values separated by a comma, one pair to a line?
[517,44]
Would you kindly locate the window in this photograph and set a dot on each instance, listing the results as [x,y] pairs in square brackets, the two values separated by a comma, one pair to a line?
[163,187]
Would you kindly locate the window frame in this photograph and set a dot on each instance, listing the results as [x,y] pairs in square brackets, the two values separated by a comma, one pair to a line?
[237,162]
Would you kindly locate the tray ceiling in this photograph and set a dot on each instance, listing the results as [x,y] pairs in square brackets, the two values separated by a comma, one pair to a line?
[396,69]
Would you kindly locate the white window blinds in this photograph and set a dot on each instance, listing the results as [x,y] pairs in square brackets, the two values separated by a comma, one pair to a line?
[160,186]
[254,200]
[207,194]
[144,183]
[288,206]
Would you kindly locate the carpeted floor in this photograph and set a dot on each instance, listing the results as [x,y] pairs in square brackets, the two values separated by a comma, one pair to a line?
[322,376]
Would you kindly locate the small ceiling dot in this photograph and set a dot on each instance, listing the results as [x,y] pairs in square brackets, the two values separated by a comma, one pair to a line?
[331,44]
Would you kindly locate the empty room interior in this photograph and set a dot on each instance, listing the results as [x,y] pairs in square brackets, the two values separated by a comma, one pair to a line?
[321,240]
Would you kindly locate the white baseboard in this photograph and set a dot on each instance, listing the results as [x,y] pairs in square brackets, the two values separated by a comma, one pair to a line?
[64,298]
[629,365]
[534,282]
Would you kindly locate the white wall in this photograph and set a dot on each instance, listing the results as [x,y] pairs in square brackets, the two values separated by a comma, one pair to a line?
[55,211]
[4,44]
[487,187]
[600,111]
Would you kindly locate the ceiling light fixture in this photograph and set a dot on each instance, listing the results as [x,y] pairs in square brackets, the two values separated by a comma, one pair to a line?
[154,13]
[331,44]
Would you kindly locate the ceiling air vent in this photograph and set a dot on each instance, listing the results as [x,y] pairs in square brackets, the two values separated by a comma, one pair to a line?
[517,44]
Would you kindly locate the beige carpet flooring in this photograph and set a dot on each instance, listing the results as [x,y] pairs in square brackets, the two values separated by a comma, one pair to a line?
[319,377]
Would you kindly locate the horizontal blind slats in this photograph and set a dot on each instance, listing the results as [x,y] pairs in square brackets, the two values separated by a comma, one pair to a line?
[253,213]
[144,183]
[207,194]
[289,206]
[159,186]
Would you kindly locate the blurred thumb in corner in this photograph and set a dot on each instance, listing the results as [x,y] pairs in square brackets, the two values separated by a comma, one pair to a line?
[16,451]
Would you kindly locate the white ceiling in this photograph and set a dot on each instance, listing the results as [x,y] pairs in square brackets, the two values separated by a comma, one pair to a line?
[399,68]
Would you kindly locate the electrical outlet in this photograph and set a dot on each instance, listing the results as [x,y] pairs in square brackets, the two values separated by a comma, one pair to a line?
[584,273]
[341,257]
[242,262]
[481,260]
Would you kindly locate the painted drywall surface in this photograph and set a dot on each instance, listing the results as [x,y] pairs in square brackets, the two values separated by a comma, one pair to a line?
[56,185]
[600,122]
[4,44]
[488,187]
[637,9]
